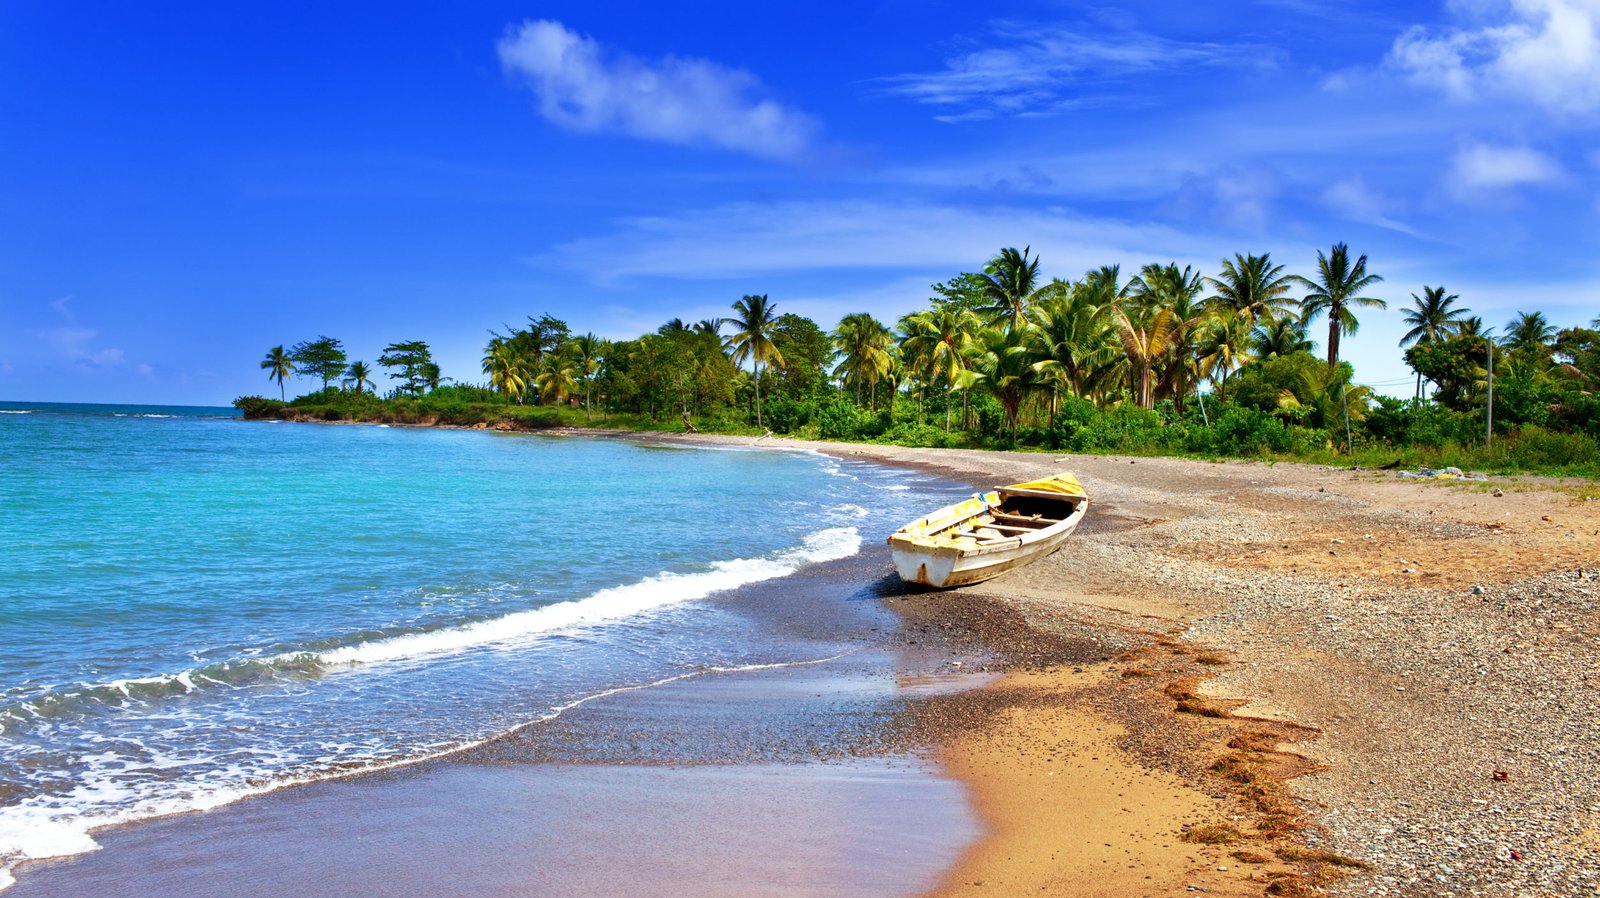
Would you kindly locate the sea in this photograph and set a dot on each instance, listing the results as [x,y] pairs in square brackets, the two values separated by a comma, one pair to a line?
[197,608]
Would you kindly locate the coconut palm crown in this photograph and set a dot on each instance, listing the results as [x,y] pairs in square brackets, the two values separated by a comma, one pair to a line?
[1336,290]
[279,367]
[754,324]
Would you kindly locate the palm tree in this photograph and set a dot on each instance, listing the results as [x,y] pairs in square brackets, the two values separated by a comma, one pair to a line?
[1002,366]
[507,369]
[862,342]
[1432,319]
[1068,334]
[937,344]
[1530,331]
[1009,284]
[1431,316]
[1167,287]
[1252,286]
[359,376]
[586,351]
[558,376]
[431,375]
[751,340]
[1145,338]
[279,367]
[1337,288]
[1277,337]
[1471,326]
[1224,346]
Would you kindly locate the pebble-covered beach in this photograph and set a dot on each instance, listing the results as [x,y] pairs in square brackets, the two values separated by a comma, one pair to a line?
[1438,640]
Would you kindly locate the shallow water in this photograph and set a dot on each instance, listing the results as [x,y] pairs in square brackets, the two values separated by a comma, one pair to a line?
[199,608]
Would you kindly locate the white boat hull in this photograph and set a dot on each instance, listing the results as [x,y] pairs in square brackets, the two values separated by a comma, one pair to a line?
[941,569]
[943,564]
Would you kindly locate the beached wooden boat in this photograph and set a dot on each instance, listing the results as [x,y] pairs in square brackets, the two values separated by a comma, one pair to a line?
[989,534]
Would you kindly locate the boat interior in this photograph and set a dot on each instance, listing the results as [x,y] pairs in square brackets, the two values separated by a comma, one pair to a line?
[1014,516]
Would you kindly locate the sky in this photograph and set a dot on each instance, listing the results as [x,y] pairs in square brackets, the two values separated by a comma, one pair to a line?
[185,185]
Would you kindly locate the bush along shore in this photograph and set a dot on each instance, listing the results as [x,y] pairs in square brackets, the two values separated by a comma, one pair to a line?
[1166,362]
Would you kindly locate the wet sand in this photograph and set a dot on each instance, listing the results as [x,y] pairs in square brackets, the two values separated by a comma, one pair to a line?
[773,781]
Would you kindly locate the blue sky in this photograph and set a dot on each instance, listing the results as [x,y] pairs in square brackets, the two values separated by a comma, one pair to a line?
[183,186]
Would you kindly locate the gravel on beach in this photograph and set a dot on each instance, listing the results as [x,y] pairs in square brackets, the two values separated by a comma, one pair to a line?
[1442,638]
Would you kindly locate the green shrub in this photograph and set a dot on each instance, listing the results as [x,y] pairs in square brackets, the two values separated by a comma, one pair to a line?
[841,420]
[258,406]
[1536,448]
[783,414]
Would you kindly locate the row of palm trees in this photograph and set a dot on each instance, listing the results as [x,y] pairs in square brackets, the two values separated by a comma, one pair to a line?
[1159,334]
[1164,333]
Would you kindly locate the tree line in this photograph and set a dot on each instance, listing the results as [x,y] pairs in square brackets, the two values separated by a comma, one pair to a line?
[1005,355]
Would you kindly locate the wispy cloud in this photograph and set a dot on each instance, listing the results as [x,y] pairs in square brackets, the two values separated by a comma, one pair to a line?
[1544,51]
[1479,167]
[1033,69]
[741,240]
[1352,198]
[76,344]
[584,86]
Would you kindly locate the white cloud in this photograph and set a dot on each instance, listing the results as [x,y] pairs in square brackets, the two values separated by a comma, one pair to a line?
[1546,51]
[1480,167]
[1034,69]
[586,87]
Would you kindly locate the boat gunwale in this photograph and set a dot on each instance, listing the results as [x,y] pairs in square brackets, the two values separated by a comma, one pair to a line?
[901,540]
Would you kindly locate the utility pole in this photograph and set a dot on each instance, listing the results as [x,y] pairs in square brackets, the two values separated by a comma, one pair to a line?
[1344,391]
[1488,433]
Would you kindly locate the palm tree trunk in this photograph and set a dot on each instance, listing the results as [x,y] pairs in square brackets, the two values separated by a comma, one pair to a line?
[758,393]
[1333,337]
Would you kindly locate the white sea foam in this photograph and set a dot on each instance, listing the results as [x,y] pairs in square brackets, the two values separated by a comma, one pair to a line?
[855,510]
[48,827]
[895,487]
[606,605]
[16,411]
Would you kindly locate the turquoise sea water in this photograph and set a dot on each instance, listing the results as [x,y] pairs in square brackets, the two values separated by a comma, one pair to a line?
[198,608]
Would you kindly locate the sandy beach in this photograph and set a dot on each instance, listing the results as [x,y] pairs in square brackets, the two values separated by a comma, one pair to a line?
[1245,679]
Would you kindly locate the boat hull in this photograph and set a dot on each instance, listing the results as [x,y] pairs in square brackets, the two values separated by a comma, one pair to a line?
[942,567]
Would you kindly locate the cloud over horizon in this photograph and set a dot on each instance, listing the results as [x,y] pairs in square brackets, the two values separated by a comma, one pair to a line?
[587,87]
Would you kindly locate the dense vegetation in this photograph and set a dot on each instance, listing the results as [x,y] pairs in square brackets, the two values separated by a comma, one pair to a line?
[1166,361]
